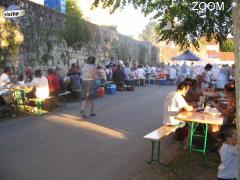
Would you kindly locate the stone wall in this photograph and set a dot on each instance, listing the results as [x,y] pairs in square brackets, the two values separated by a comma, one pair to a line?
[39,27]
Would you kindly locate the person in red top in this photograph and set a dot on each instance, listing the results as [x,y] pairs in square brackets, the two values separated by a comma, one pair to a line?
[54,83]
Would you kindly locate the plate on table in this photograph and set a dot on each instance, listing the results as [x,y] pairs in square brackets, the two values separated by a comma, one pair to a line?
[213,111]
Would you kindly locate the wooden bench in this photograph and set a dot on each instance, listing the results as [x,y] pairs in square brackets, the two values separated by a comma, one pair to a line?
[64,96]
[38,102]
[156,136]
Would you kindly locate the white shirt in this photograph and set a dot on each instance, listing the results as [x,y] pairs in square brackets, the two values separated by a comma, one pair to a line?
[42,88]
[88,72]
[228,169]
[140,73]
[173,73]
[174,102]
[4,79]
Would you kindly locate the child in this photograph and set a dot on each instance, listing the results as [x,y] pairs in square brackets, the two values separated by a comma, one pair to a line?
[228,169]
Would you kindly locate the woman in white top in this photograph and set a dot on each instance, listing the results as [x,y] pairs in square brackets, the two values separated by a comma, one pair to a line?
[206,77]
[89,76]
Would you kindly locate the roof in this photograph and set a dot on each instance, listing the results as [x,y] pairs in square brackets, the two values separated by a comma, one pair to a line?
[223,56]
[188,56]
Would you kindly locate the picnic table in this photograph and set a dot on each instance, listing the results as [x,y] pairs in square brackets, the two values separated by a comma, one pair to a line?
[163,75]
[20,94]
[194,119]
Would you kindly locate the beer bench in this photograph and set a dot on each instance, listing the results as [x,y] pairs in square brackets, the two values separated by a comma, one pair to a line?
[155,137]
[63,96]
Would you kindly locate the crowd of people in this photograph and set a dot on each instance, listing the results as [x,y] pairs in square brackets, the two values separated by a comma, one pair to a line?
[192,80]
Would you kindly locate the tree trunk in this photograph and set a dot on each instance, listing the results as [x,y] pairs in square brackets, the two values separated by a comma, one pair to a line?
[236,30]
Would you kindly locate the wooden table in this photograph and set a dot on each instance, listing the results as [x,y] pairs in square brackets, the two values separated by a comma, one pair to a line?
[196,118]
[23,90]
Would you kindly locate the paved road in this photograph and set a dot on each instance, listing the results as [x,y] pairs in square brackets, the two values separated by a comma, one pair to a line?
[60,146]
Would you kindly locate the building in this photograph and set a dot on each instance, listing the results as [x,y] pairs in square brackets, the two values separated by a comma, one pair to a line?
[58,5]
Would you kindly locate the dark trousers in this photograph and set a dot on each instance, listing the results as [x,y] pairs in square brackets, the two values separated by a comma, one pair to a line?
[226,179]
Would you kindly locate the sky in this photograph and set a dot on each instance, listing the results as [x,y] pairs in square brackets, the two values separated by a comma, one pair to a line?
[128,21]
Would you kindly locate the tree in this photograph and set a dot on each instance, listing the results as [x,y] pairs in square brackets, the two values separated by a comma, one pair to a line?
[149,33]
[227,46]
[185,20]
[236,30]
[11,38]
[76,31]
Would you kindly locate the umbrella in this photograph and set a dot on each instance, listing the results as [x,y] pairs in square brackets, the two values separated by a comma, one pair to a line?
[186,56]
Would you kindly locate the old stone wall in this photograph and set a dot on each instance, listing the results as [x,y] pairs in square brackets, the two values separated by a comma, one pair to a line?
[44,48]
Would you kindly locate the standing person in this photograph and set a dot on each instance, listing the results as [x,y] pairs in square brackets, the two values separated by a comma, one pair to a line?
[60,75]
[173,74]
[191,71]
[206,77]
[127,72]
[228,169]
[75,82]
[89,76]
[184,69]
[141,75]
[222,77]
[108,71]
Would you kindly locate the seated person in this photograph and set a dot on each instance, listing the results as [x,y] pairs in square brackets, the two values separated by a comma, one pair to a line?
[118,77]
[54,83]
[5,77]
[194,92]
[74,75]
[20,80]
[229,91]
[141,75]
[228,153]
[174,104]
[40,83]
[101,74]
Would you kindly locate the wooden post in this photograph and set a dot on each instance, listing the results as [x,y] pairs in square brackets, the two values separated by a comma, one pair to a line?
[236,30]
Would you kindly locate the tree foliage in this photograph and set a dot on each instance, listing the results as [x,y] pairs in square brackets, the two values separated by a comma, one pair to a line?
[76,32]
[227,46]
[185,24]
[11,38]
[142,54]
[149,33]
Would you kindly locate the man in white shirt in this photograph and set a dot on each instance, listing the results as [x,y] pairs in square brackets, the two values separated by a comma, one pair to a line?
[4,78]
[174,104]
[41,85]
[140,72]
[141,75]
